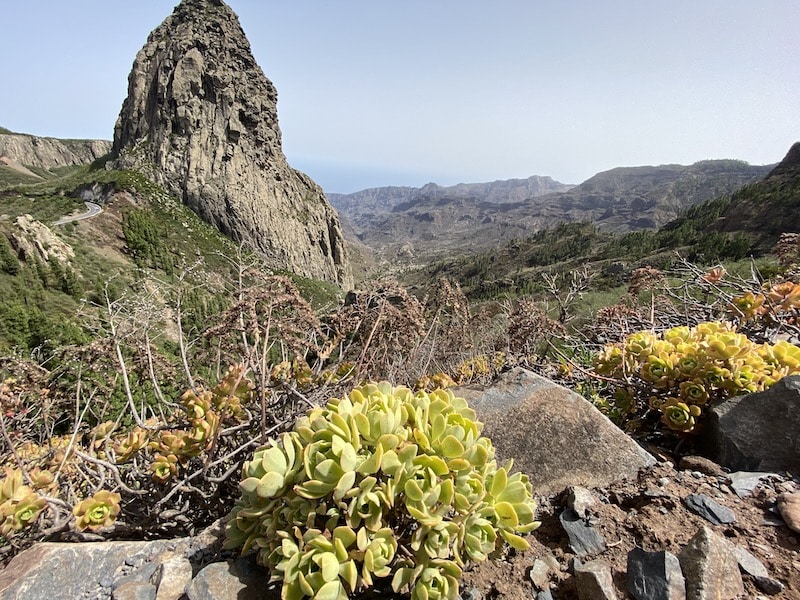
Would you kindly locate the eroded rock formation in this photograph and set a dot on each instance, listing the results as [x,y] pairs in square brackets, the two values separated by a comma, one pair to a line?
[201,119]
[47,152]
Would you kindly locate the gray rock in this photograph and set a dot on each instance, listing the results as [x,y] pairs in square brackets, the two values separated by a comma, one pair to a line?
[544,595]
[579,499]
[768,585]
[758,432]
[172,577]
[232,580]
[540,574]
[593,581]
[135,590]
[75,570]
[789,507]
[139,573]
[709,509]
[744,482]
[655,576]
[710,567]
[553,434]
[201,120]
[583,538]
[749,564]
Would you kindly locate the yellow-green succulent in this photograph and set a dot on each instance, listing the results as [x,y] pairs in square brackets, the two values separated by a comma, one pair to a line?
[97,512]
[382,486]
[684,369]
[20,506]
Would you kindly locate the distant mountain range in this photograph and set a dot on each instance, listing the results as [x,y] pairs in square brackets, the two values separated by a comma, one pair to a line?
[405,224]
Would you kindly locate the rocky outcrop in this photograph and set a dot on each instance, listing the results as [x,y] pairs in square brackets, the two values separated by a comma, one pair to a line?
[33,240]
[46,153]
[200,118]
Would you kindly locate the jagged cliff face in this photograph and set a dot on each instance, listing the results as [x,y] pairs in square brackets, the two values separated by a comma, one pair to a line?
[201,119]
[50,152]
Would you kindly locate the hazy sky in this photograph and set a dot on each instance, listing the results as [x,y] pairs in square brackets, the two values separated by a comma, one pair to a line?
[403,92]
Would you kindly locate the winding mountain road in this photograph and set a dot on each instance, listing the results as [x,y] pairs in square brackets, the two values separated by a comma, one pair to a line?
[92,210]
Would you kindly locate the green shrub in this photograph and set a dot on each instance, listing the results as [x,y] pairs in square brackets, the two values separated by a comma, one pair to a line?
[382,482]
[679,372]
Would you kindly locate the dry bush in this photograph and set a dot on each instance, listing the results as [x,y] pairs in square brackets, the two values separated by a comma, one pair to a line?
[378,330]
[530,330]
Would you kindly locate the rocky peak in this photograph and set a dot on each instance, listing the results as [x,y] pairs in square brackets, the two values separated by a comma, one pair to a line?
[201,119]
[790,165]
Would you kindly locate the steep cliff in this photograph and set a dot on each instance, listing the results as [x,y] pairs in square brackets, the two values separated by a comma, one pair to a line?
[200,118]
[47,153]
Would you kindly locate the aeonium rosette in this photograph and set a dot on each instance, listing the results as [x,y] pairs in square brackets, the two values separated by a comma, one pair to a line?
[383,486]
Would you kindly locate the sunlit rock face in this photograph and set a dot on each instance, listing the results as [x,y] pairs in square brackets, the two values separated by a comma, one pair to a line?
[200,118]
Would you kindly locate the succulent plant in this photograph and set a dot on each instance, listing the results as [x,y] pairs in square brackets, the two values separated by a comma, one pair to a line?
[679,415]
[20,511]
[125,448]
[97,512]
[748,306]
[20,506]
[383,482]
[164,467]
[684,369]
[785,296]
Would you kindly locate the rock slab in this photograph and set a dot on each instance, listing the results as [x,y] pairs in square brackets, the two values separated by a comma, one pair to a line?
[711,510]
[74,570]
[655,576]
[583,538]
[758,432]
[710,567]
[553,434]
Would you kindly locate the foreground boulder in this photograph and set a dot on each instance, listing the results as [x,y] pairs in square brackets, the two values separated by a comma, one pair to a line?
[553,434]
[201,119]
[758,432]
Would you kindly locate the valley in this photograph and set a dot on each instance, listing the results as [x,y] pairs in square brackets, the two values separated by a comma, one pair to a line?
[201,351]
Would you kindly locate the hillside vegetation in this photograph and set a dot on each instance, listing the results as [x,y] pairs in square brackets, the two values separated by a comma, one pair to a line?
[145,356]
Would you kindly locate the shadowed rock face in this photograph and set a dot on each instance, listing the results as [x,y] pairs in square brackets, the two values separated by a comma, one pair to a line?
[201,119]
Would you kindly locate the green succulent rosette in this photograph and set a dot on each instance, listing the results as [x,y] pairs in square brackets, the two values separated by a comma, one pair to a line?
[98,512]
[680,372]
[383,486]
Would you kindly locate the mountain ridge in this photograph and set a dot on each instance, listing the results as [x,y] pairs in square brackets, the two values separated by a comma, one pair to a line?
[49,152]
[405,224]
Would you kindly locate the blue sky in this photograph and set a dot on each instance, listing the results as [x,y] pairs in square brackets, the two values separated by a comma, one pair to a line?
[374,92]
